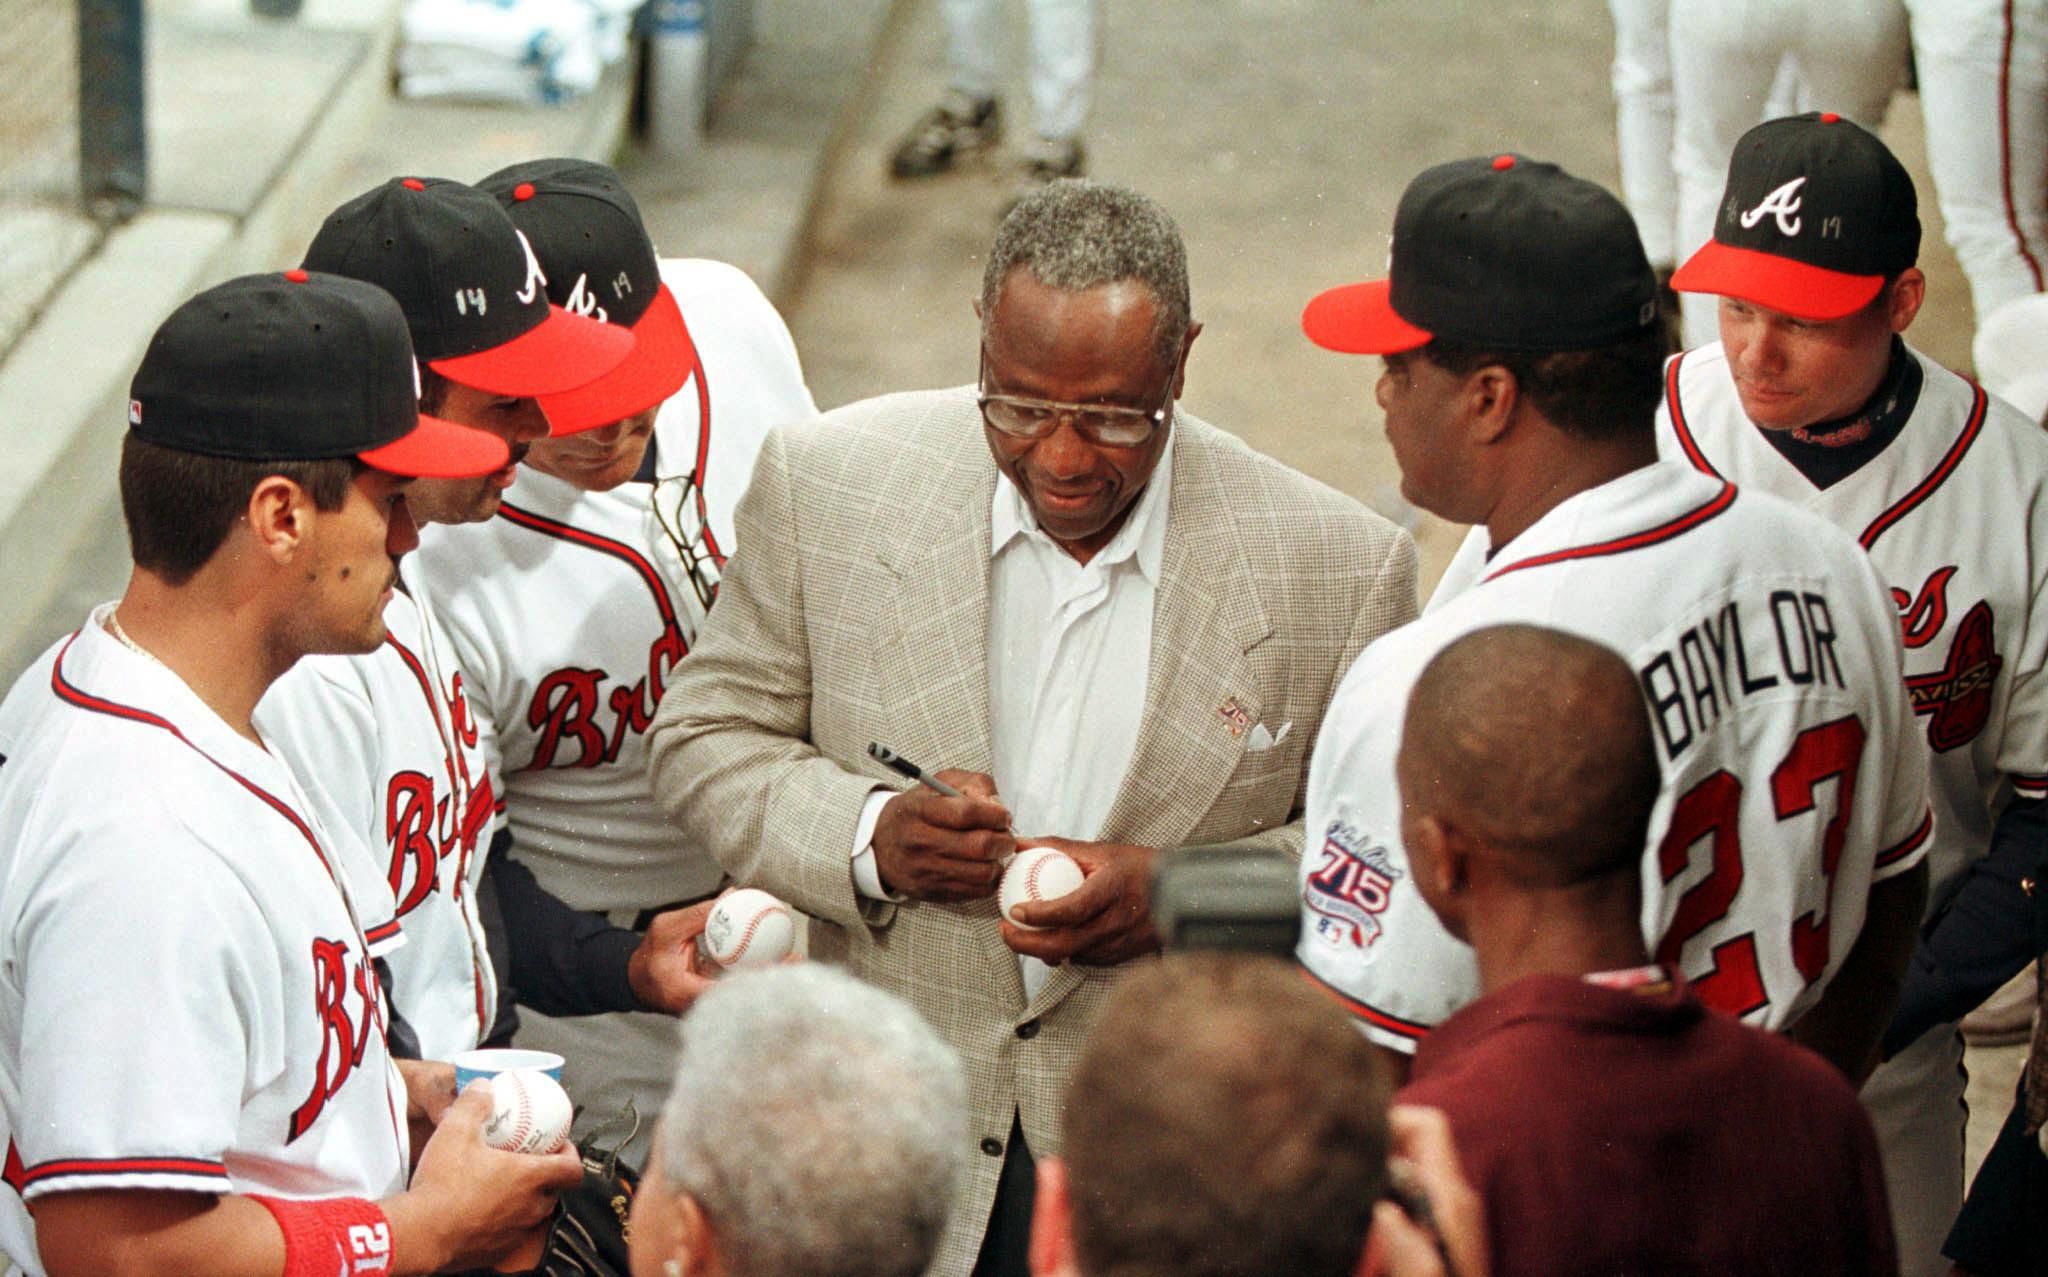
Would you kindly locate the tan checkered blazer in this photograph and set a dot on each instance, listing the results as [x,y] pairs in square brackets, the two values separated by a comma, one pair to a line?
[856,609]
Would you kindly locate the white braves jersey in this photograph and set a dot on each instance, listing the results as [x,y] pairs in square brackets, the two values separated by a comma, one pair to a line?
[568,610]
[1793,777]
[1954,514]
[388,744]
[186,1000]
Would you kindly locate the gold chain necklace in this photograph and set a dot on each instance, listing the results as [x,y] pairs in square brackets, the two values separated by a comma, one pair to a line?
[121,635]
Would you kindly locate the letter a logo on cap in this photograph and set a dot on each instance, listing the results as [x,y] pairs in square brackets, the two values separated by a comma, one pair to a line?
[1782,204]
[536,279]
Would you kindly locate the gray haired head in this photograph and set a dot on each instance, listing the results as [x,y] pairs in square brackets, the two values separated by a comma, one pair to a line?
[1074,235]
[819,1123]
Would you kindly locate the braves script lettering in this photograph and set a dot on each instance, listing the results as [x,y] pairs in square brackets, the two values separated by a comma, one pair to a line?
[566,705]
[347,1011]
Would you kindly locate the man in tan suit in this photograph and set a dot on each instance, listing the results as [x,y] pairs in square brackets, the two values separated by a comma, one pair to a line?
[1113,625]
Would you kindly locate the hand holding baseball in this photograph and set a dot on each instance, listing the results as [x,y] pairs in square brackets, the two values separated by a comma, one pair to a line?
[747,928]
[664,971]
[471,1203]
[1035,874]
[530,1113]
[1104,921]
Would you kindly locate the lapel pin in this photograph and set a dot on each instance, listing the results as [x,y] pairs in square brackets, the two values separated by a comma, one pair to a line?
[1234,716]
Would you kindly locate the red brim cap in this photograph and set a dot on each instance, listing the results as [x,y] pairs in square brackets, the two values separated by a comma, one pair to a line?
[1359,319]
[1775,283]
[563,352]
[438,449]
[662,360]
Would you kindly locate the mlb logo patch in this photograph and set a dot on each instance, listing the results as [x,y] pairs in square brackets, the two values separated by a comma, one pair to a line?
[134,412]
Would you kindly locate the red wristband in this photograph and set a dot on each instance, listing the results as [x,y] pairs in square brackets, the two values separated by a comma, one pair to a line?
[331,1235]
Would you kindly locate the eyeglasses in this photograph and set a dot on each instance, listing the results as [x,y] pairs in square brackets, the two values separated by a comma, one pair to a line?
[1106,425]
[685,526]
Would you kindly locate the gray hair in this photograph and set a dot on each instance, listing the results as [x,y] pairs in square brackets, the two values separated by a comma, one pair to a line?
[1074,235]
[818,1122]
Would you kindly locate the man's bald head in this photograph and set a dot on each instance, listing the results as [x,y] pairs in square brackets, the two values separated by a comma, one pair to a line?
[1536,744]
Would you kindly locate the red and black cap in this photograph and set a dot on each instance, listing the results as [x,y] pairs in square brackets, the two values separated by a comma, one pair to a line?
[1817,213]
[471,289]
[297,366]
[1499,252]
[587,232]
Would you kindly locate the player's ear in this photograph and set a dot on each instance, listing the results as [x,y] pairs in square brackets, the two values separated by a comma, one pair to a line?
[1491,393]
[1180,368]
[1905,299]
[1052,1223]
[1446,859]
[279,515]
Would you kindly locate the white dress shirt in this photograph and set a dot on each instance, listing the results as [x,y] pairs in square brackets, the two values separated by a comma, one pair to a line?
[1069,648]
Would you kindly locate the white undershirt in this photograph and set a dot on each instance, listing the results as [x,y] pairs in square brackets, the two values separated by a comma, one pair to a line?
[1069,649]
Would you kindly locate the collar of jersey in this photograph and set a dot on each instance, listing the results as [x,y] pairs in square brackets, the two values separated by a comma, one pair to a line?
[1560,528]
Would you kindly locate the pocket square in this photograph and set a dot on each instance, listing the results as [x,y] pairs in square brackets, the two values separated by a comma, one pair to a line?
[1261,740]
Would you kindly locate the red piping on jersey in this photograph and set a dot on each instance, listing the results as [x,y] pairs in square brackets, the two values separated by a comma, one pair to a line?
[461,817]
[1906,504]
[2012,213]
[603,545]
[99,705]
[1913,842]
[427,690]
[1677,527]
[123,1166]
[704,456]
[1409,1029]
[1678,426]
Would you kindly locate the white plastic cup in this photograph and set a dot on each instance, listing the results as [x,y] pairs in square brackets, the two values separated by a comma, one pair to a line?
[471,1065]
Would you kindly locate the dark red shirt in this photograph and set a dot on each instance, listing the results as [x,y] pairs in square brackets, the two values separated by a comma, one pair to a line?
[1616,1132]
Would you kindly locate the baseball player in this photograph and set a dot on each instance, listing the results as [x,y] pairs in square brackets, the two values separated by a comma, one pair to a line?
[395,736]
[1641,80]
[193,1073]
[1813,395]
[568,610]
[1724,54]
[1983,71]
[1519,334]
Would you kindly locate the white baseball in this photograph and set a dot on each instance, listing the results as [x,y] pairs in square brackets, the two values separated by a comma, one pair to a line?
[530,1112]
[748,928]
[1036,873]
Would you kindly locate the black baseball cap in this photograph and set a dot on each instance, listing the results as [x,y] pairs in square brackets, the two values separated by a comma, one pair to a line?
[472,291]
[1500,252]
[586,229]
[1817,212]
[297,366]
